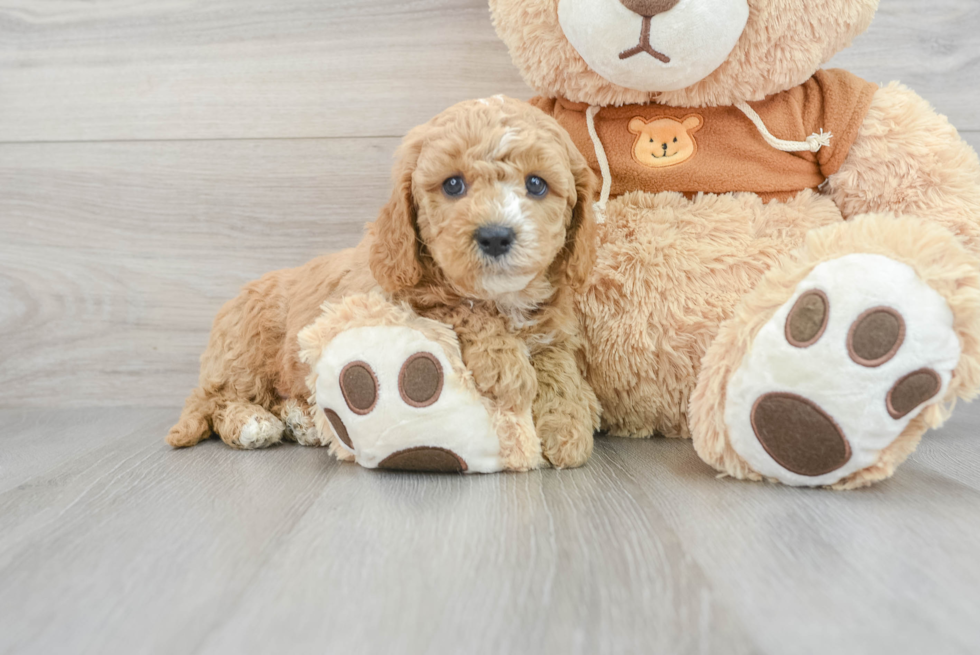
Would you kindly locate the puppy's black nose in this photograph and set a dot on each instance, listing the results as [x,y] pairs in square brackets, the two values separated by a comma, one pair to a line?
[495,240]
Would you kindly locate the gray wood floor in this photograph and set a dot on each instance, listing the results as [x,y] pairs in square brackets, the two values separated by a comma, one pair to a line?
[157,154]
[112,543]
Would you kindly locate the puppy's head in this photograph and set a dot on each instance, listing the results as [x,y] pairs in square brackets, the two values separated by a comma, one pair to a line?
[492,199]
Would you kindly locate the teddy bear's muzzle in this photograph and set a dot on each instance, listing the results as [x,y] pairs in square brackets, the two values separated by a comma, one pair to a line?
[649,8]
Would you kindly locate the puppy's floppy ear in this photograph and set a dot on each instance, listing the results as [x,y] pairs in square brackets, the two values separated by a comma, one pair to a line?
[580,240]
[394,257]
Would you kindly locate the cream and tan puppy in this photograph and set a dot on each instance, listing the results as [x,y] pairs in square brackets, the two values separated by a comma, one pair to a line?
[489,230]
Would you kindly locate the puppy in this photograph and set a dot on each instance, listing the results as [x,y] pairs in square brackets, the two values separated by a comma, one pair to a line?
[489,230]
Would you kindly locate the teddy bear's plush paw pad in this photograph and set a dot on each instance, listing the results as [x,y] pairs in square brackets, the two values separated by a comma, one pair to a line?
[876,336]
[423,458]
[393,400]
[339,428]
[808,319]
[840,369]
[913,390]
[799,435]
[420,380]
[360,387]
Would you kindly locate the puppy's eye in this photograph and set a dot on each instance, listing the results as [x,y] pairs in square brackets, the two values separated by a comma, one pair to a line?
[675,139]
[454,187]
[536,186]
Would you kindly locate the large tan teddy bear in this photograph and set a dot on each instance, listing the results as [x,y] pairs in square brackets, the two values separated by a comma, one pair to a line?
[788,267]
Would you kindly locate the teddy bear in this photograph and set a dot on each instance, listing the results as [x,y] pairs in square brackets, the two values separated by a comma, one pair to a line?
[788,265]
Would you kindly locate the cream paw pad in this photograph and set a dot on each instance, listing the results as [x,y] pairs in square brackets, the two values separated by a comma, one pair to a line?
[395,396]
[839,371]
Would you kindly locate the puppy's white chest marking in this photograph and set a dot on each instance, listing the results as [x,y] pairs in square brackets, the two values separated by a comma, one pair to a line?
[511,214]
[503,284]
[517,317]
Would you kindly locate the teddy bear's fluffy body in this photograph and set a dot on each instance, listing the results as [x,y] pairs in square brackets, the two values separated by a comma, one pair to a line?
[684,282]
[696,259]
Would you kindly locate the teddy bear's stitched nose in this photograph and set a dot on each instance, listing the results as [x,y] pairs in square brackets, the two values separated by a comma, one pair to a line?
[648,8]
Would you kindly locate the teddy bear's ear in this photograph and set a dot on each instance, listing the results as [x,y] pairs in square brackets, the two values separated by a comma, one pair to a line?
[637,125]
[693,123]
[394,255]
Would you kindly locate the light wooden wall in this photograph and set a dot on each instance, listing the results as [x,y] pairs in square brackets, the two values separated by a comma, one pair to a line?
[157,154]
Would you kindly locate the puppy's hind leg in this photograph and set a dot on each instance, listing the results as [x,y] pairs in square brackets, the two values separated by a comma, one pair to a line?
[194,425]
[240,424]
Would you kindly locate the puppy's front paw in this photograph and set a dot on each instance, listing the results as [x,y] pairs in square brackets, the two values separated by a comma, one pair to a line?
[566,433]
[259,431]
[300,427]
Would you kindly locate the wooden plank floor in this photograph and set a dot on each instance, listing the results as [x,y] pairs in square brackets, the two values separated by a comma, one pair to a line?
[112,543]
[157,154]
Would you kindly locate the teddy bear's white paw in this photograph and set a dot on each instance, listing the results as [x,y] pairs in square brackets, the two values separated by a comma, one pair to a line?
[840,370]
[393,401]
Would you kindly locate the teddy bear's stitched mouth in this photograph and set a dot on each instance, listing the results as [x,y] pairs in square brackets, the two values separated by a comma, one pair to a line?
[644,45]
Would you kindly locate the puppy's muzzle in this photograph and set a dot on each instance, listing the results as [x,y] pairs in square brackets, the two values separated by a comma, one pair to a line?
[495,240]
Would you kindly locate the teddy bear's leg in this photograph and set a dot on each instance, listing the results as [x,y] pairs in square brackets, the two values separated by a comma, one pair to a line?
[390,390]
[836,363]
[670,270]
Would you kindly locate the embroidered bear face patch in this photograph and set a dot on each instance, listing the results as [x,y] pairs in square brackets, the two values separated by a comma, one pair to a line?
[665,142]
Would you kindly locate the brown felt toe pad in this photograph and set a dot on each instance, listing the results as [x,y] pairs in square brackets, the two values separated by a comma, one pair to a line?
[338,427]
[799,435]
[420,380]
[807,321]
[876,336]
[913,390]
[360,387]
[424,458]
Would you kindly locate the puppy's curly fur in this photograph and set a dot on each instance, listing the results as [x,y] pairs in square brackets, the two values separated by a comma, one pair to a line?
[513,315]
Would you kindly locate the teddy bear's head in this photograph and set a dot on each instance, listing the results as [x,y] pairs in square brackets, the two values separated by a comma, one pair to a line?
[692,53]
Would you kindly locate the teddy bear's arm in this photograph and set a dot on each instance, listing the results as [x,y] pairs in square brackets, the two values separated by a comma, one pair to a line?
[909,160]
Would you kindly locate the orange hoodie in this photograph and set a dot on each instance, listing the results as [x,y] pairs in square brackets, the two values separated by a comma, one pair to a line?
[718,149]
